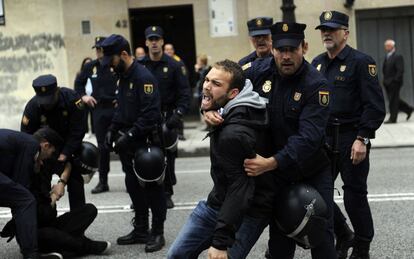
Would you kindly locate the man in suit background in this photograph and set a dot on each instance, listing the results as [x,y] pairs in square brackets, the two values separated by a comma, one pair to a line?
[393,71]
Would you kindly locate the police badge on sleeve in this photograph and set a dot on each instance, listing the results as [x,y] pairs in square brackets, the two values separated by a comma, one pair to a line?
[148,88]
[324,98]
[372,69]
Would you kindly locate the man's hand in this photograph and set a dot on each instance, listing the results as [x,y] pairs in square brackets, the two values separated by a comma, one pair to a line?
[53,198]
[258,165]
[213,118]
[62,158]
[122,143]
[109,139]
[58,190]
[214,253]
[358,152]
[89,100]
[174,121]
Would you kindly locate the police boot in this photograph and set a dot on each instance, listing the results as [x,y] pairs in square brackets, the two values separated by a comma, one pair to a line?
[361,248]
[102,186]
[344,240]
[169,202]
[139,235]
[156,240]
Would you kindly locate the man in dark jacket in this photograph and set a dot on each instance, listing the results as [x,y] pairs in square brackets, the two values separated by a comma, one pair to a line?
[238,207]
[21,157]
[393,73]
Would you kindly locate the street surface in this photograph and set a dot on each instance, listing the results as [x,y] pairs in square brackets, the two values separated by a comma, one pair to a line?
[391,194]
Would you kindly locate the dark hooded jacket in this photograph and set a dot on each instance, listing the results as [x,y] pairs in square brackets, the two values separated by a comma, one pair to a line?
[243,133]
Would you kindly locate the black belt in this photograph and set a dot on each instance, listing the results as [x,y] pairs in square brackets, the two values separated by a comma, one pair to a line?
[342,128]
[105,104]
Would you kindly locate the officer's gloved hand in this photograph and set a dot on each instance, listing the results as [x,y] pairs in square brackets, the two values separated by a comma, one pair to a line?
[109,139]
[121,144]
[175,120]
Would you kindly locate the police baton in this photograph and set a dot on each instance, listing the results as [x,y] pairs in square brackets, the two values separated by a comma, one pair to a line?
[335,146]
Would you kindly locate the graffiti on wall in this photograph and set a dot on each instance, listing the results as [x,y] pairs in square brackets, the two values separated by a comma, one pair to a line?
[22,57]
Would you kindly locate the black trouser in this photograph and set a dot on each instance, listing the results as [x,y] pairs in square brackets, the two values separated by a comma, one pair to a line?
[102,117]
[66,234]
[170,178]
[76,190]
[23,208]
[395,103]
[152,196]
[355,188]
[283,247]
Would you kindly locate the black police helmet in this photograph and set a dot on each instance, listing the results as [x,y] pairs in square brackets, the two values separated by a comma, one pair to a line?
[301,214]
[86,161]
[170,138]
[149,165]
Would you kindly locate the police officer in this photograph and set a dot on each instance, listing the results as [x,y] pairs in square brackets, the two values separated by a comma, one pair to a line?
[175,94]
[102,101]
[22,155]
[298,110]
[358,106]
[61,109]
[136,116]
[260,37]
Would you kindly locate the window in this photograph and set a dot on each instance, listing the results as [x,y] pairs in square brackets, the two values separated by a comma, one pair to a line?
[86,27]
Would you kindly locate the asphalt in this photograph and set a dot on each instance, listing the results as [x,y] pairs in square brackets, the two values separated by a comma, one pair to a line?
[400,134]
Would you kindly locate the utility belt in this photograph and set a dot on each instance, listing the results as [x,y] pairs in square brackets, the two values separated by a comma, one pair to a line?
[105,104]
[343,128]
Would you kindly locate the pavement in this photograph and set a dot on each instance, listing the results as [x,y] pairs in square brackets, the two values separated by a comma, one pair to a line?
[400,134]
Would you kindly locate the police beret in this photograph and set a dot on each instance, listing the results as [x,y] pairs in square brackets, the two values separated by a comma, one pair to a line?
[154,31]
[287,34]
[333,19]
[114,45]
[45,87]
[259,26]
[98,41]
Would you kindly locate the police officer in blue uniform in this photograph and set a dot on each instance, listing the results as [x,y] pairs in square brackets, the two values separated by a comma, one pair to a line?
[136,116]
[61,109]
[298,111]
[175,94]
[102,102]
[260,37]
[357,104]
[22,155]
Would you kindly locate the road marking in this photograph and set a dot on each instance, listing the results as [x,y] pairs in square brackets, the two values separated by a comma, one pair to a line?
[106,209]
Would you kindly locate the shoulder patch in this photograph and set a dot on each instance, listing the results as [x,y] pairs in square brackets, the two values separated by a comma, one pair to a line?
[148,88]
[25,120]
[247,65]
[323,98]
[372,69]
[183,70]
[79,104]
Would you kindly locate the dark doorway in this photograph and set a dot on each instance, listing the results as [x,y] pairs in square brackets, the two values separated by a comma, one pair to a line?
[375,26]
[178,25]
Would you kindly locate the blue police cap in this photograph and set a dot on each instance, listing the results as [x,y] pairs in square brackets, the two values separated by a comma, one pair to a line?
[259,26]
[45,87]
[333,19]
[98,41]
[114,45]
[154,31]
[287,34]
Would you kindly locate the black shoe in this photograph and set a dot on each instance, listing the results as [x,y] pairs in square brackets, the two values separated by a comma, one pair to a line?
[134,237]
[344,241]
[409,114]
[390,122]
[155,243]
[169,202]
[99,247]
[361,249]
[51,256]
[101,187]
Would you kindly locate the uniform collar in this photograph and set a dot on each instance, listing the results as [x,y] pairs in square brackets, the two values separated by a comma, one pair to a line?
[344,53]
[130,69]
[164,58]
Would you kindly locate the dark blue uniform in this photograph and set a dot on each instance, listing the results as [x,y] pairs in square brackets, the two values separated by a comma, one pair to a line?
[68,119]
[138,112]
[104,87]
[358,103]
[250,58]
[175,96]
[17,168]
[298,111]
